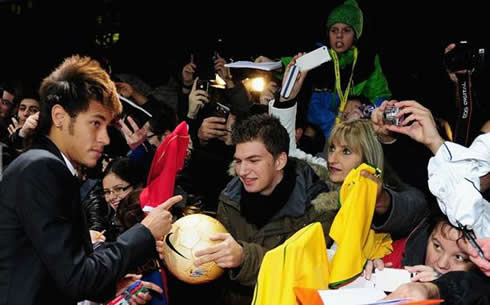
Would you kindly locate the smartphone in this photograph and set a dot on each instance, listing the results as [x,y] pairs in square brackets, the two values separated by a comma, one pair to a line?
[313,59]
[221,111]
[202,85]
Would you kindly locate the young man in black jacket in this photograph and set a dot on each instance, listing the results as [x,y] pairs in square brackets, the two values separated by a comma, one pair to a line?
[46,255]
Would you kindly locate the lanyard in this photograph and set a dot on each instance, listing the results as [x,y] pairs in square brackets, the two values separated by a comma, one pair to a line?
[342,95]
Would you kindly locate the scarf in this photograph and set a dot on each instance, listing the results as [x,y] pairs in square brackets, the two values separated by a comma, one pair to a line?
[259,209]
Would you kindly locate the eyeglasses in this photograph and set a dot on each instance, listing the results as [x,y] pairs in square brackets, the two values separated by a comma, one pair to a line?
[118,190]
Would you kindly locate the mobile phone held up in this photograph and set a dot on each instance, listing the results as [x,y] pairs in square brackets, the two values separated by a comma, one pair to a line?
[308,61]
[202,85]
[221,111]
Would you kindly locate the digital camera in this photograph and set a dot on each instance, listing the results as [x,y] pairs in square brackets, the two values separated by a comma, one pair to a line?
[389,116]
[464,57]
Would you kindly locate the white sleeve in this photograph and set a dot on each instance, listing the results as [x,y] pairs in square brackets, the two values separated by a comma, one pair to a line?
[454,178]
[287,117]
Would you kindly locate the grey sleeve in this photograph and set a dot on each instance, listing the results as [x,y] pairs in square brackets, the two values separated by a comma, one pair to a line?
[408,207]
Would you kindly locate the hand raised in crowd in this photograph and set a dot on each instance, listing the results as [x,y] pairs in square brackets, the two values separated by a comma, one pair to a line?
[134,137]
[263,59]
[423,273]
[159,220]
[197,99]
[373,264]
[378,124]
[188,72]
[212,127]
[483,264]
[268,93]
[299,79]
[30,125]
[139,298]
[452,75]
[223,72]
[419,124]
[414,292]
[14,126]
[227,254]
[383,199]
[228,125]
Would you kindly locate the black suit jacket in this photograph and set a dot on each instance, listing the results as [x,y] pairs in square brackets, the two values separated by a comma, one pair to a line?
[46,255]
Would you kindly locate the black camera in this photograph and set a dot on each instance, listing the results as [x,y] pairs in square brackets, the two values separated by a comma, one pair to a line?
[464,57]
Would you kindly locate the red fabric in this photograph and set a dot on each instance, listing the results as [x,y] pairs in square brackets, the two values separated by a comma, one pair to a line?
[396,256]
[168,160]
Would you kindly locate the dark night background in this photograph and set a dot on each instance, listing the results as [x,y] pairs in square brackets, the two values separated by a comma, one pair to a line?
[156,40]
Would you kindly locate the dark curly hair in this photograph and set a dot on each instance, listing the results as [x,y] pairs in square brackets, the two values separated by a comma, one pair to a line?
[129,211]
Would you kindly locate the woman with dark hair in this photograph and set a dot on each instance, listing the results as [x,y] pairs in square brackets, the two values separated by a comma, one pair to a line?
[119,178]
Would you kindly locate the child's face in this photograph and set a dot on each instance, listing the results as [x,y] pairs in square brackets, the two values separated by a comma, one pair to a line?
[341,37]
[445,250]
[351,111]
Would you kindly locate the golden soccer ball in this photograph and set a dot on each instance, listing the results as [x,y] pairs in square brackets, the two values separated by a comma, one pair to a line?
[188,235]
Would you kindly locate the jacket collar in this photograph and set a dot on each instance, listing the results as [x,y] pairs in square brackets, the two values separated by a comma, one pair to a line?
[307,187]
[43,142]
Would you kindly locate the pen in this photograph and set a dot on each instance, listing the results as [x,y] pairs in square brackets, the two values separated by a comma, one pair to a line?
[471,240]
[424,302]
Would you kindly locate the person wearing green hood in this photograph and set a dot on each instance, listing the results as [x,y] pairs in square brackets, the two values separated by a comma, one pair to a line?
[350,72]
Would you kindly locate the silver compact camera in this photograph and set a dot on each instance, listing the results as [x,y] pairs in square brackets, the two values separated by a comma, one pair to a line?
[389,116]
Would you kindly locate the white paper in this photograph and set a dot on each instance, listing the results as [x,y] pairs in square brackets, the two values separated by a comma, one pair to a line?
[387,280]
[390,278]
[359,282]
[353,296]
[266,66]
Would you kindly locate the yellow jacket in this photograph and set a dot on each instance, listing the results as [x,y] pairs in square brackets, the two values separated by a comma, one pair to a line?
[301,261]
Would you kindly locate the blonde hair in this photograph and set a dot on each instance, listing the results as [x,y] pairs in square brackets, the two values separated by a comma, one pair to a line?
[360,137]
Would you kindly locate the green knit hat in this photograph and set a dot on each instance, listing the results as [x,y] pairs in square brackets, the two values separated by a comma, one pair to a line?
[348,13]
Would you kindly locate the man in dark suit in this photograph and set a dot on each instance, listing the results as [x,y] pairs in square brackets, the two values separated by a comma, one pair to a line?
[46,255]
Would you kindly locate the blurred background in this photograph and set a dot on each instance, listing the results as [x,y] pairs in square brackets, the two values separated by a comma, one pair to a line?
[155,39]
